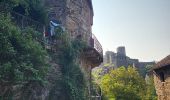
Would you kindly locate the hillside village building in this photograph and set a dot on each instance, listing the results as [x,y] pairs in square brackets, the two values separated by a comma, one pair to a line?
[120,59]
[161,73]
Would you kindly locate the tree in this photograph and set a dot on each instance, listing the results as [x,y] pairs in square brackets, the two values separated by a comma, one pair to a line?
[22,58]
[143,71]
[151,92]
[123,84]
[35,9]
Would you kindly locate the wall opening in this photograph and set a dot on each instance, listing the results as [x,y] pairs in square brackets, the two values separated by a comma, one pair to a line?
[162,76]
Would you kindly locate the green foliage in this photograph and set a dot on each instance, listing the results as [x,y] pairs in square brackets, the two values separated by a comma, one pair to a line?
[73,83]
[151,92]
[143,71]
[95,73]
[22,58]
[108,64]
[123,84]
[9,4]
[35,9]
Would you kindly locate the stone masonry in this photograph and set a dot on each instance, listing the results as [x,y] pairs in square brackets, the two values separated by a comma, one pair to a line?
[75,15]
[161,73]
[120,59]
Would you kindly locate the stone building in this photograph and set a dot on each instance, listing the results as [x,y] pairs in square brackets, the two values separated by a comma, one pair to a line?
[120,59]
[76,16]
[161,73]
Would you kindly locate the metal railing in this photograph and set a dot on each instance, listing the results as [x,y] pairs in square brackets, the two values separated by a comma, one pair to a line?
[96,44]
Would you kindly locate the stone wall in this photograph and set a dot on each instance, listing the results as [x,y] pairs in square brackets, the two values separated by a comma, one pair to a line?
[86,69]
[119,59]
[162,87]
[75,15]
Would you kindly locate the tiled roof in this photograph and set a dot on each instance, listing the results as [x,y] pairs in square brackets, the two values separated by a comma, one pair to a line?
[164,62]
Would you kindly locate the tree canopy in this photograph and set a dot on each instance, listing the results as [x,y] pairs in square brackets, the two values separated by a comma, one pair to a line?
[35,9]
[123,84]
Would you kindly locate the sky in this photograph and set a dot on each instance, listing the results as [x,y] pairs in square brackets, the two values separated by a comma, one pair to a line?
[142,26]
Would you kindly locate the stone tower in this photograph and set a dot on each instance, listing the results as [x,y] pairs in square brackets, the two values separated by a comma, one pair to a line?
[121,57]
[108,58]
[121,51]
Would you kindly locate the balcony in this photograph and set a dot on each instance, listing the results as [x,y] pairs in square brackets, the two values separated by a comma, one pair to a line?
[94,52]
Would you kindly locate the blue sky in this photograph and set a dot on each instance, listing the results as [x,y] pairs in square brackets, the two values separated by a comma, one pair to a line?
[142,26]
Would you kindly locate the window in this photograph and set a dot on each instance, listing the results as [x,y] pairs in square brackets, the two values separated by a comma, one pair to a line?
[162,76]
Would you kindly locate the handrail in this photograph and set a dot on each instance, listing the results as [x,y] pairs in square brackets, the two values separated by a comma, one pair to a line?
[96,44]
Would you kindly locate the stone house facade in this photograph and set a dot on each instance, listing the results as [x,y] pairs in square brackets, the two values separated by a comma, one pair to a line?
[161,73]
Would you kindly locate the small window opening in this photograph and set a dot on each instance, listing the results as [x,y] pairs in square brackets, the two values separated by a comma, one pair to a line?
[162,77]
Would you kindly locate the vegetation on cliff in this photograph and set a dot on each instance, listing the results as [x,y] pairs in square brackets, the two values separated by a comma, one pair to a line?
[73,83]
[35,9]
[23,59]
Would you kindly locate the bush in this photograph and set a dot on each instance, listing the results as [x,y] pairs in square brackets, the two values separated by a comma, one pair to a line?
[22,58]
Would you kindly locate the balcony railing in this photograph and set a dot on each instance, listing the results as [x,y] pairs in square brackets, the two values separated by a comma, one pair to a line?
[94,52]
[96,45]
